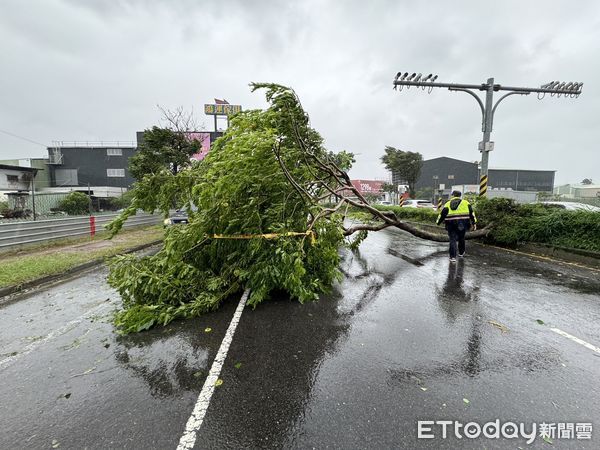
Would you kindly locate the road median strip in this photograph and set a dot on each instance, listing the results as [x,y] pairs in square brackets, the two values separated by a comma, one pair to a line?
[61,264]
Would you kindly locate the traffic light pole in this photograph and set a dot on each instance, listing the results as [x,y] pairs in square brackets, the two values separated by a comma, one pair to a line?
[489,108]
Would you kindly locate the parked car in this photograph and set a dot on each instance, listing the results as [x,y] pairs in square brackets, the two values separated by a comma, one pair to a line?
[412,203]
[384,202]
[571,206]
[179,217]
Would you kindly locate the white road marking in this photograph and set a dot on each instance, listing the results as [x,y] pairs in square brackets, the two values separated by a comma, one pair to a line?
[576,339]
[50,336]
[194,423]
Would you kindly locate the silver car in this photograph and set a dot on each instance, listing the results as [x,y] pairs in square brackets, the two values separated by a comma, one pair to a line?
[572,206]
[412,203]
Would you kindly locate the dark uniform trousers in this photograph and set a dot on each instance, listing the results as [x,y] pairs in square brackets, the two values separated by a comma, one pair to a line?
[456,233]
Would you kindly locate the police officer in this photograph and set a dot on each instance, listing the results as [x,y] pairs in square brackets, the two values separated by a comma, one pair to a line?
[458,216]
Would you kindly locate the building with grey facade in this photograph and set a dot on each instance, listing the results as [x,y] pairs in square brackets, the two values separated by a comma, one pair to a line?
[94,165]
[451,172]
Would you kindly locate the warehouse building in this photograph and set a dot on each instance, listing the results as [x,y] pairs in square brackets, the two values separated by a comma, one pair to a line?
[447,172]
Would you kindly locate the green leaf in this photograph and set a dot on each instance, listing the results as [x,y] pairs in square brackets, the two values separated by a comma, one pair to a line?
[540,321]
[207,330]
[146,325]
[237,365]
[466,400]
[547,439]
[219,382]
[198,374]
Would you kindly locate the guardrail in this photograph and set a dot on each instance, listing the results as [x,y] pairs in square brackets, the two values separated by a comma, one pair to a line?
[24,233]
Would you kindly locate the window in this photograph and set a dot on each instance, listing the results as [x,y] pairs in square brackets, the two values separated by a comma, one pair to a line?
[114,152]
[451,177]
[66,177]
[115,172]
[12,178]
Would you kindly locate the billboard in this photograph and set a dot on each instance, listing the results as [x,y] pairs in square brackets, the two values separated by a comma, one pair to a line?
[221,109]
[368,186]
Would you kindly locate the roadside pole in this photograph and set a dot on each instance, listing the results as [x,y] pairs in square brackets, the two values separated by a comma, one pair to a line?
[33,197]
[571,89]
[486,145]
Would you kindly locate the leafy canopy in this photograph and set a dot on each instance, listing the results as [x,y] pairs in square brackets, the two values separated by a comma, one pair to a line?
[261,177]
[407,165]
[162,148]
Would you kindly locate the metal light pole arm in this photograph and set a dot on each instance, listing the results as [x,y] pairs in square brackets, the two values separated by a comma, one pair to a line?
[476,97]
[523,90]
[484,87]
[481,87]
[502,98]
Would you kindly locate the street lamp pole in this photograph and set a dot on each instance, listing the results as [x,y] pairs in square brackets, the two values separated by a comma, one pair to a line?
[571,89]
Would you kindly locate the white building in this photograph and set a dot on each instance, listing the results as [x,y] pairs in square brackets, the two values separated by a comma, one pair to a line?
[16,178]
[578,191]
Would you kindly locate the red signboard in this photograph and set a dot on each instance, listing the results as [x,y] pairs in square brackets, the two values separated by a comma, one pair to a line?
[368,186]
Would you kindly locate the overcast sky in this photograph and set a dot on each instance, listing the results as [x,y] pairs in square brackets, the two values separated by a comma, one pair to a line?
[96,69]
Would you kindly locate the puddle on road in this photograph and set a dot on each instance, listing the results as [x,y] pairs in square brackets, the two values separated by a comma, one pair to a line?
[168,365]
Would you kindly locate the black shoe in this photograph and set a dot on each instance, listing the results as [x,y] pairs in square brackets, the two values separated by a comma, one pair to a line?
[462,255]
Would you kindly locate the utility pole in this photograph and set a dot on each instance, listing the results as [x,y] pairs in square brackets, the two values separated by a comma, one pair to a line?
[571,89]
[33,196]
[90,200]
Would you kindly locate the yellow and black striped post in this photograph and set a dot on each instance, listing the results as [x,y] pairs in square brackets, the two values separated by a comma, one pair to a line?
[483,184]
[440,203]
[401,201]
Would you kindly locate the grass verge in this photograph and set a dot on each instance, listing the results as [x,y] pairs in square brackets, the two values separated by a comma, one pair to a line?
[28,265]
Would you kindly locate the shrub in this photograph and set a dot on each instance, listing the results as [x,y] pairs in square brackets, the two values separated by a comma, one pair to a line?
[122,201]
[427,215]
[75,203]
[519,223]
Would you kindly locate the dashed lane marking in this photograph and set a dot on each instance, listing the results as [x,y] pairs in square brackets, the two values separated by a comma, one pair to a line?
[576,339]
[194,423]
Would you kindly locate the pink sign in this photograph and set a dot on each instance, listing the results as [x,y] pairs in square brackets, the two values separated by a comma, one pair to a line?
[368,186]
[204,140]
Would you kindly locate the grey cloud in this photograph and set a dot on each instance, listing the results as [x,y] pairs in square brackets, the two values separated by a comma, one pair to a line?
[96,69]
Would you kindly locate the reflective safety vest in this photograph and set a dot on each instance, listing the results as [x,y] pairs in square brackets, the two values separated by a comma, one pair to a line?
[461,211]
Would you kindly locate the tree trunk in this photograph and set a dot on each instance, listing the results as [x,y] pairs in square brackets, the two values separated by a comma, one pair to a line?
[442,236]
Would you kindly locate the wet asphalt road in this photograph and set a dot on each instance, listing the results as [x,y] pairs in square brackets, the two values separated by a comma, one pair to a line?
[406,336]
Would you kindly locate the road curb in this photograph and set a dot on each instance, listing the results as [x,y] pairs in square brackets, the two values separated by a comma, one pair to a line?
[586,257]
[28,285]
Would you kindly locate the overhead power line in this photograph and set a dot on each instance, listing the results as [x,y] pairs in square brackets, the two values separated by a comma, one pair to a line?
[23,138]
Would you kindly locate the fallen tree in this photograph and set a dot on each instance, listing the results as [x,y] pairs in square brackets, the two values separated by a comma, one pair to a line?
[261,221]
